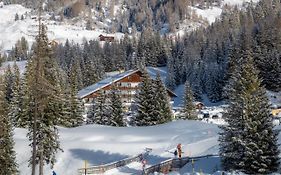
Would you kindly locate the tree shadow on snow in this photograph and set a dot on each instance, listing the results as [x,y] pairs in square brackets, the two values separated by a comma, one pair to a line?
[126,170]
[206,165]
[96,157]
[154,159]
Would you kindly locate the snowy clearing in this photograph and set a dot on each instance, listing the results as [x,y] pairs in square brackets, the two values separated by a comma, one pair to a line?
[102,144]
[238,2]
[12,30]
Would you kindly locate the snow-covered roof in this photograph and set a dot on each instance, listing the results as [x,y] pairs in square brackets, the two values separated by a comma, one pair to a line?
[114,77]
[103,83]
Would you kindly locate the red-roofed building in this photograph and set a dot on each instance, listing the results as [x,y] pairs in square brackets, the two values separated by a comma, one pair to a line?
[106,38]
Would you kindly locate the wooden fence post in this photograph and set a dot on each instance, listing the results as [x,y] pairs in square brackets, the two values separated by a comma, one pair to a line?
[192,162]
[85,167]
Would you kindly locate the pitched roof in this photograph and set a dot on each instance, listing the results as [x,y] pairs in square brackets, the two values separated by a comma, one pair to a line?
[116,77]
[103,83]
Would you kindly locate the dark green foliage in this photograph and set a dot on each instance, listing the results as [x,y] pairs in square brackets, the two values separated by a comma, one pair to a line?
[107,109]
[249,142]
[16,17]
[145,103]
[116,107]
[153,103]
[100,113]
[7,153]
[162,101]
[8,77]
[19,51]
[188,102]
[15,108]
[171,79]
[74,104]
[41,101]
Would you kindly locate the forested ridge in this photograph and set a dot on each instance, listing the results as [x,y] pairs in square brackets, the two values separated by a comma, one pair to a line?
[125,16]
[236,59]
[205,57]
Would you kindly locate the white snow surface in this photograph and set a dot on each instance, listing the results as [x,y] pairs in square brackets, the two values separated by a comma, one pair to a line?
[102,144]
[210,14]
[21,65]
[238,2]
[12,30]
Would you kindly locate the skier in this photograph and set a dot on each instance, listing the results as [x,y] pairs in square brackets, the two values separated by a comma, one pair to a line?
[179,150]
[143,164]
[54,173]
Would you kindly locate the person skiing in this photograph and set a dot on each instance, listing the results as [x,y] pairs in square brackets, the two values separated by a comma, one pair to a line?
[179,150]
[143,164]
[54,173]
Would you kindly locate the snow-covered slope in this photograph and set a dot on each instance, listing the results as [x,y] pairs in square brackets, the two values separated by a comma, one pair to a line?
[21,65]
[12,30]
[102,144]
[238,2]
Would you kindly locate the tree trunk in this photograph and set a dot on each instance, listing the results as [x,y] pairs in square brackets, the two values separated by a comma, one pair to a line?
[34,150]
[41,163]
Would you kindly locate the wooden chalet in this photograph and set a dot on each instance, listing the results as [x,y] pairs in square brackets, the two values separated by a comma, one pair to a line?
[106,38]
[127,82]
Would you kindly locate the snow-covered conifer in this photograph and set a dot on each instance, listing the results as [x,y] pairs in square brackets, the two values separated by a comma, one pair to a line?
[162,109]
[188,102]
[249,142]
[7,154]
[145,103]
[15,108]
[116,107]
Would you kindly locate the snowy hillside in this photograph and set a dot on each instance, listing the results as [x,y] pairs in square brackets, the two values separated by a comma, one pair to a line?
[21,65]
[102,144]
[12,30]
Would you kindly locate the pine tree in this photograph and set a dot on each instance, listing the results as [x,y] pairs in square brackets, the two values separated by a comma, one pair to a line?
[16,17]
[15,109]
[145,103]
[1,59]
[40,102]
[7,154]
[9,78]
[100,113]
[170,80]
[75,105]
[197,88]
[189,107]
[162,109]
[116,108]
[249,142]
